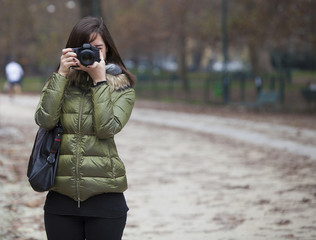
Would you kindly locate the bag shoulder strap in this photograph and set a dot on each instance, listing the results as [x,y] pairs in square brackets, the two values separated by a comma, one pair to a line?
[56,144]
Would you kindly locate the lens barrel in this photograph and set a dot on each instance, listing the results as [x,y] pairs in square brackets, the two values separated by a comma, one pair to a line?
[87,54]
[86,57]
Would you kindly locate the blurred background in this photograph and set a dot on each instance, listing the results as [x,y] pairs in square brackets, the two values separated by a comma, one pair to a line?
[205,52]
[229,173]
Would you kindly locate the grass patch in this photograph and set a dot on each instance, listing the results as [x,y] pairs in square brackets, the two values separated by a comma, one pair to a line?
[29,84]
[304,74]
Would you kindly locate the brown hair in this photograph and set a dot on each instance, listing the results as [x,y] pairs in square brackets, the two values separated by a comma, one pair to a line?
[86,31]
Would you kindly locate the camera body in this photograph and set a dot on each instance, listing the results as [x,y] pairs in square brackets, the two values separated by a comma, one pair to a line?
[87,54]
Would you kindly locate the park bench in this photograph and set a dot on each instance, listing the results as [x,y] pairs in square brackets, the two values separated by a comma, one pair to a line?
[309,93]
[265,98]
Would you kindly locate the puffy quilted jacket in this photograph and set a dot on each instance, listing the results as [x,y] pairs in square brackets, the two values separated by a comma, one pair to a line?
[89,163]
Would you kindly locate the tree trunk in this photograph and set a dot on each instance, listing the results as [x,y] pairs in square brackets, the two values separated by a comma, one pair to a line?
[253,54]
[182,68]
[264,61]
[259,57]
[181,50]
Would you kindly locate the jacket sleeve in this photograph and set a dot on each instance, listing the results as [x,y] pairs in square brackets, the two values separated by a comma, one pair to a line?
[49,107]
[111,113]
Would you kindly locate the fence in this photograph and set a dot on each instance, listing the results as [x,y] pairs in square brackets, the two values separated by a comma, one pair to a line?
[208,88]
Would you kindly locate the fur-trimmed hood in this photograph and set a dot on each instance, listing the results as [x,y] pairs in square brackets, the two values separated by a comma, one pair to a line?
[118,83]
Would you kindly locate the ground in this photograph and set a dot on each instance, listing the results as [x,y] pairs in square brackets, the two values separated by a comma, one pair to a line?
[194,173]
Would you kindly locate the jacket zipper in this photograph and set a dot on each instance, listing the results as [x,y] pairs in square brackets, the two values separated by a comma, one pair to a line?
[78,150]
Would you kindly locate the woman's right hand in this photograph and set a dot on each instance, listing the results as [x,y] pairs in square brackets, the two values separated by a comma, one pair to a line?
[68,59]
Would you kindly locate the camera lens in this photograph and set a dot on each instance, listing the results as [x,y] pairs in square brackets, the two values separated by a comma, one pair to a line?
[86,57]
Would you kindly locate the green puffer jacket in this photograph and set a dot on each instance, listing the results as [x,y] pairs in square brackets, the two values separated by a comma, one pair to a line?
[89,163]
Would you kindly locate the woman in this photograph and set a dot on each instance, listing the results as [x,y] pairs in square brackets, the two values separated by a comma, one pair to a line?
[93,103]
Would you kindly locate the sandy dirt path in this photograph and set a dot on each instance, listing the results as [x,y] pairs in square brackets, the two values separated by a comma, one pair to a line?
[191,176]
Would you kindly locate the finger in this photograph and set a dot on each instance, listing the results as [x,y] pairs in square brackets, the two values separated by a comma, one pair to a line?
[66,50]
[94,65]
[101,55]
[76,68]
[69,60]
[69,54]
[64,59]
[82,67]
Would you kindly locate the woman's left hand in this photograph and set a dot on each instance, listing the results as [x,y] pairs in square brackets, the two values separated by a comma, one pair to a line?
[96,71]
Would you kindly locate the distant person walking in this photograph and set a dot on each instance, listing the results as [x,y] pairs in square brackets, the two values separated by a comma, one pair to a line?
[14,73]
[258,83]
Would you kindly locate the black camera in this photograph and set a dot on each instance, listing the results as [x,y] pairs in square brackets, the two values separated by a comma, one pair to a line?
[87,54]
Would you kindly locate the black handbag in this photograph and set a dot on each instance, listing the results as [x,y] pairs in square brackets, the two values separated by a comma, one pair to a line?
[44,158]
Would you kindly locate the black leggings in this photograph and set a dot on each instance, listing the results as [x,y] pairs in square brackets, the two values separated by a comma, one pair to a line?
[63,227]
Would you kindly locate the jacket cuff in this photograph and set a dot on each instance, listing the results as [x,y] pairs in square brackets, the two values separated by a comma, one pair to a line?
[99,83]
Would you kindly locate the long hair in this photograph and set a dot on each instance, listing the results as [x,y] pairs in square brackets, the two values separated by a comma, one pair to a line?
[85,31]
